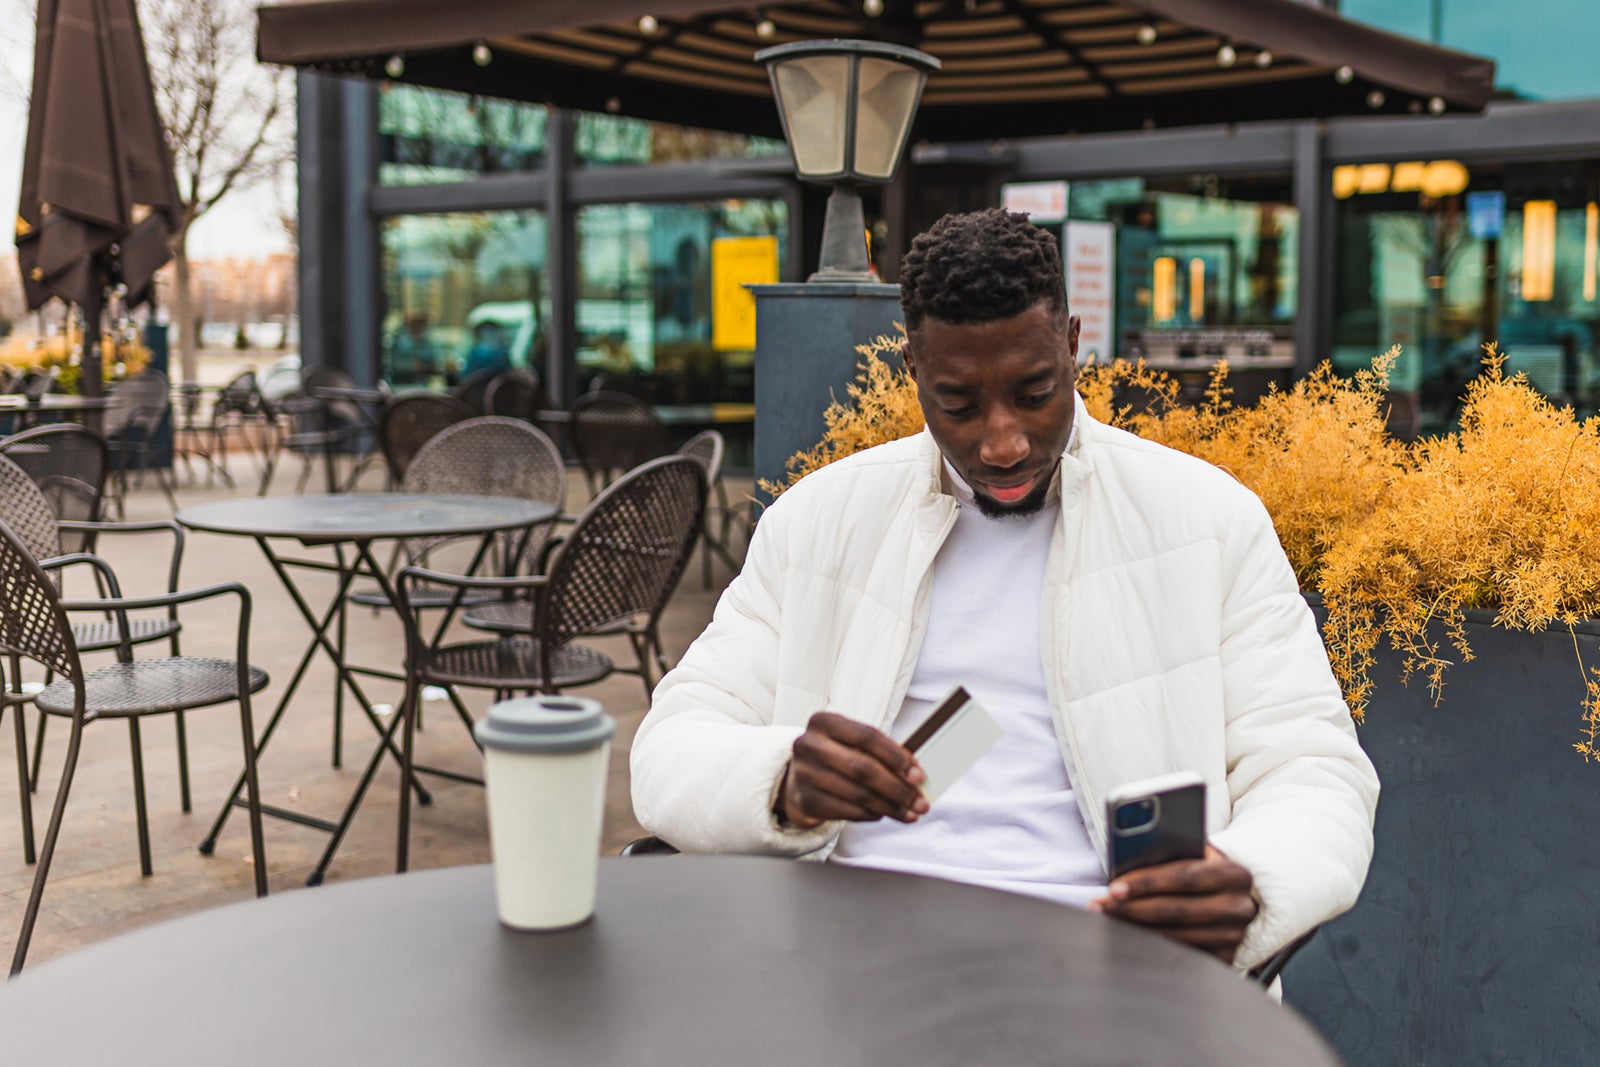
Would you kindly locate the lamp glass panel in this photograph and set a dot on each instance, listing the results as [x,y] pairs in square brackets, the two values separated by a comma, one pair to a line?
[812,91]
[889,92]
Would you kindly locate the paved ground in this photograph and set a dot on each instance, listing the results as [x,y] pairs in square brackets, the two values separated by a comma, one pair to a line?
[95,887]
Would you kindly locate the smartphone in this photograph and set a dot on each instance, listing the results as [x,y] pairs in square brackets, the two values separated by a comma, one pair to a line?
[1156,820]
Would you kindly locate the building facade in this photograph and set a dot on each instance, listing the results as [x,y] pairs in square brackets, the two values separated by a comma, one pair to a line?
[443,234]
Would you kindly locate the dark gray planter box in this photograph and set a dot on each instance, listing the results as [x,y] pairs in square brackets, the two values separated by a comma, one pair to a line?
[1477,938]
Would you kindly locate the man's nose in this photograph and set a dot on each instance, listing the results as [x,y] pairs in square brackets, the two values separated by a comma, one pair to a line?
[1004,443]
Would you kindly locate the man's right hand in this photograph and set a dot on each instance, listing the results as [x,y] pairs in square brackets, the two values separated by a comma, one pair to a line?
[843,769]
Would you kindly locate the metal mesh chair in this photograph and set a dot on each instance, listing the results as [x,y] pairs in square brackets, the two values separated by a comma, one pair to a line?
[633,520]
[194,437]
[613,573]
[238,410]
[409,421]
[706,448]
[33,625]
[514,394]
[138,408]
[32,514]
[473,390]
[613,433]
[310,426]
[485,456]
[70,464]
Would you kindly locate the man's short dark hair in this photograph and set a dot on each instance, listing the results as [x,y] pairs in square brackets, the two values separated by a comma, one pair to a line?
[980,267]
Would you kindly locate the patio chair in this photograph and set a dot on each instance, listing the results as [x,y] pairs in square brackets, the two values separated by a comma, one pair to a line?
[613,433]
[29,504]
[139,406]
[514,394]
[635,520]
[409,421]
[473,390]
[194,437]
[310,426]
[706,448]
[239,409]
[34,625]
[614,572]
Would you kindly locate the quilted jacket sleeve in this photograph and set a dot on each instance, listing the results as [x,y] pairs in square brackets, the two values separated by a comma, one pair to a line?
[1303,791]
[707,759]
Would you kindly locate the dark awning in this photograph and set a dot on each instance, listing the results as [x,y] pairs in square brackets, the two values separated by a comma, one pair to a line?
[1010,67]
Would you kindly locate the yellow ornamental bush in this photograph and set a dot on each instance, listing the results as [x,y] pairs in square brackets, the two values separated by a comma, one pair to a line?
[1399,540]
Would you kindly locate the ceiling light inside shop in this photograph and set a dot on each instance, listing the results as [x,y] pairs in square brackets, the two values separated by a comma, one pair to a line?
[1591,231]
[1166,288]
[1197,289]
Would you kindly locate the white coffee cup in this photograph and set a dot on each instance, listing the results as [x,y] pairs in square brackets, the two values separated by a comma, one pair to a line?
[545,770]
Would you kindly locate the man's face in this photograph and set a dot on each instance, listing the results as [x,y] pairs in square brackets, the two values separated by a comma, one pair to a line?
[998,398]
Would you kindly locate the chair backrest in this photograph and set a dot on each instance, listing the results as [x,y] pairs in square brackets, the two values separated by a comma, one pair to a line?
[138,404]
[473,390]
[25,510]
[491,456]
[242,395]
[69,464]
[625,554]
[512,393]
[32,623]
[409,421]
[615,432]
[706,448]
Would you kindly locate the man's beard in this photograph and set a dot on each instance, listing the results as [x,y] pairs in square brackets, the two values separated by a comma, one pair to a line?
[1031,504]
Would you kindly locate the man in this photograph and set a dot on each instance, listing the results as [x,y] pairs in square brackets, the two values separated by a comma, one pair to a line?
[1122,609]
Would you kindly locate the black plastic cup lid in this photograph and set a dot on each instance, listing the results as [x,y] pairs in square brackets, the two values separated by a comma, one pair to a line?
[545,725]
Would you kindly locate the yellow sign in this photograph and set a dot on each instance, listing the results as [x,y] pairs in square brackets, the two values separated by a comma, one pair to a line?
[735,263]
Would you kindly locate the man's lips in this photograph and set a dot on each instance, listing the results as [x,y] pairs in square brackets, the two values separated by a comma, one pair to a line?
[1010,492]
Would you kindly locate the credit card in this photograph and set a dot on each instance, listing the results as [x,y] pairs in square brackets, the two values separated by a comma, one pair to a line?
[951,740]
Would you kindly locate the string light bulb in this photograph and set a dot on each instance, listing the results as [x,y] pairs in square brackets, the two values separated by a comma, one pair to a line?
[1264,59]
[1436,105]
[1376,99]
[1226,56]
[766,28]
[1343,75]
[395,67]
[872,8]
[648,25]
[1146,33]
[481,54]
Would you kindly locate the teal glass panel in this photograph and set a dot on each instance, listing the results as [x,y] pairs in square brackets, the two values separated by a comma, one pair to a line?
[426,136]
[462,292]
[615,140]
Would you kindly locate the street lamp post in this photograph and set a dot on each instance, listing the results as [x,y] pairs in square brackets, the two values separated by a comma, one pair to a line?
[846,108]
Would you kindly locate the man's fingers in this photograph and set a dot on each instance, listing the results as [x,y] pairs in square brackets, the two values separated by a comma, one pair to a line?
[824,794]
[1234,910]
[858,735]
[1183,877]
[822,765]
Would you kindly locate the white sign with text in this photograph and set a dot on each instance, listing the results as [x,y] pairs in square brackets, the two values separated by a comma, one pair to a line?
[1091,261]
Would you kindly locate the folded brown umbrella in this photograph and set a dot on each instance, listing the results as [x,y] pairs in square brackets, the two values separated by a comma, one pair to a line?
[98,196]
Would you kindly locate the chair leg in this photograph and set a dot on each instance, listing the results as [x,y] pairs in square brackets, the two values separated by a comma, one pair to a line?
[408,709]
[47,852]
[24,795]
[183,761]
[258,850]
[137,751]
[38,753]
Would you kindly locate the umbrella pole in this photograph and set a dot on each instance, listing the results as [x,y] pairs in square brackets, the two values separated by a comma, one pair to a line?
[91,378]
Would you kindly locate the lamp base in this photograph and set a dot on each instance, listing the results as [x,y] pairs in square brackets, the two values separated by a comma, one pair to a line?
[844,240]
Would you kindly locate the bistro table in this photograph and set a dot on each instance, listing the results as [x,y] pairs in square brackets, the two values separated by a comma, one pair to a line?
[690,960]
[349,522]
[88,408]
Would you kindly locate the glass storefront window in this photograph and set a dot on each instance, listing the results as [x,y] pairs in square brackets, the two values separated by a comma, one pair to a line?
[1502,252]
[612,140]
[462,292]
[426,136]
[1205,266]
[655,317]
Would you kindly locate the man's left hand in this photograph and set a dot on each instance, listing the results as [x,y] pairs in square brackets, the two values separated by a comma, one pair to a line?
[1205,903]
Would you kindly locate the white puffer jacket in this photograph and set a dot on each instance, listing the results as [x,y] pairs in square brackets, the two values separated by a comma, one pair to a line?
[1174,638]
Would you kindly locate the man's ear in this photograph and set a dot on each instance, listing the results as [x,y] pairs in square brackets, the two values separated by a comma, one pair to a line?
[1074,327]
[906,360]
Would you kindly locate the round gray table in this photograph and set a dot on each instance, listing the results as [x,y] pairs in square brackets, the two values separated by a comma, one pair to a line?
[690,960]
[704,961]
[353,520]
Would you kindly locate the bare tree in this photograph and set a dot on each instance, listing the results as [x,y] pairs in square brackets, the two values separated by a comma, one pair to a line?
[229,120]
